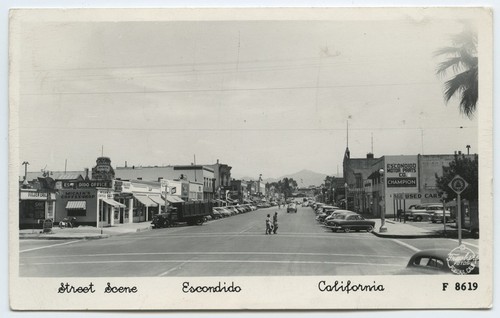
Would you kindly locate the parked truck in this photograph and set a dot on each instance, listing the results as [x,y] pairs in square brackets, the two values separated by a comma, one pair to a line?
[192,213]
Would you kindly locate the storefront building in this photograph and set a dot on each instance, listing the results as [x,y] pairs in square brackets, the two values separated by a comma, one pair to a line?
[90,202]
[34,206]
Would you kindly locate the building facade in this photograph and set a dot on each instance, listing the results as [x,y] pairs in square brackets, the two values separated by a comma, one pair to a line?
[390,183]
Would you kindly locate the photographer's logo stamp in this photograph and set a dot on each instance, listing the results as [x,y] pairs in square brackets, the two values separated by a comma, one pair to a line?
[462,260]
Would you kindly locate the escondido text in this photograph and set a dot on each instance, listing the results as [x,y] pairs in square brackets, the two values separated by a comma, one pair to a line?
[219,288]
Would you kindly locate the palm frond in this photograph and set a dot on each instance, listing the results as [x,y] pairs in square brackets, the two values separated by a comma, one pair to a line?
[455,63]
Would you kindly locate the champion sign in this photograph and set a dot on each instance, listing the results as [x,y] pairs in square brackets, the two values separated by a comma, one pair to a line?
[401,182]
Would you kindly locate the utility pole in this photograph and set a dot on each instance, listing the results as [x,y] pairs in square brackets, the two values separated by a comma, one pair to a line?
[468,148]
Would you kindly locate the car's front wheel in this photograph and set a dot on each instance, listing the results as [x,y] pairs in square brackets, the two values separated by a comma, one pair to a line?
[347,230]
[418,218]
[369,228]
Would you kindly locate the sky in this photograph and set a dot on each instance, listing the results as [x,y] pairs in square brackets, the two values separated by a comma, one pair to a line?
[265,97]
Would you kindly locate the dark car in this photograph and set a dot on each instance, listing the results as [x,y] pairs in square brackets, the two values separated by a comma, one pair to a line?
[348,222]
[292,207]
[335,214]
[435,261]
[160,220]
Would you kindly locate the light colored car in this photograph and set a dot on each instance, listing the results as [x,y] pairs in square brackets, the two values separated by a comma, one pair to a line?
[292,207]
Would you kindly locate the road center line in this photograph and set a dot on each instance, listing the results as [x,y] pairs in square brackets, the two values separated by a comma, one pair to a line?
[173,269]
[217,261]
[47,246]
[223,253]
[411,247]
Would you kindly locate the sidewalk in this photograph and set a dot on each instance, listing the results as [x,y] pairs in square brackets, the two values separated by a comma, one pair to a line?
[84,232]
[397,229]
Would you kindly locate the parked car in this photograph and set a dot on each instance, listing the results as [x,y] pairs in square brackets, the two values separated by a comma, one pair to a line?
[232,209]
[329,219]
[325,211]
[433,261]
[216,213]
[417,212]
[437,216]
[292,207]
[348,222]
[318,206]
[223,211]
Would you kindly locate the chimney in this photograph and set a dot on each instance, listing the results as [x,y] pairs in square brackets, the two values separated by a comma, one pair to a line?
[369,155]
[159,179]
[86,173]
[125,164]
[217,161]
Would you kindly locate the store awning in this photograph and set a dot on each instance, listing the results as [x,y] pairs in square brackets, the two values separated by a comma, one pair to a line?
[174,199]
[114,203]
[76,205]
[157,199]
[145,200]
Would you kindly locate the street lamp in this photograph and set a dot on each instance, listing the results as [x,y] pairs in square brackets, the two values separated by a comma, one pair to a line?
[382,203]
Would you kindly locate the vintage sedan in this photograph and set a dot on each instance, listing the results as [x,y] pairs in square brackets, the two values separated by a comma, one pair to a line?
[329,220]
[292,207]
[435,261]
[326,211]
[351,222]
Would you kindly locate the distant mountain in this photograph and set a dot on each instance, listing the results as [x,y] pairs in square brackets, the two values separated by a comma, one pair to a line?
[304,178]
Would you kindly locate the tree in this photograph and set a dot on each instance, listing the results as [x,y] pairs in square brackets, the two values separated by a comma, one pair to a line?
[329,186]
[467,168]
[463,61]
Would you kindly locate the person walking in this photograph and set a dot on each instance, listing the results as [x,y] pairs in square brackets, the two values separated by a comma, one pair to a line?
[268,224]
[275,222]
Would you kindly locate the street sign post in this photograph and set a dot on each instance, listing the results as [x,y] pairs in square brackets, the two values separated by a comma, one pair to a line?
[458,184]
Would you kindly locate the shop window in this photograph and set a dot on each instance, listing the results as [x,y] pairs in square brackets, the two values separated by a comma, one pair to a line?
[33,209]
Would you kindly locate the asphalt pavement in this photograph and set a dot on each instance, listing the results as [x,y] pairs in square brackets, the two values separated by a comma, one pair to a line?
[234,246]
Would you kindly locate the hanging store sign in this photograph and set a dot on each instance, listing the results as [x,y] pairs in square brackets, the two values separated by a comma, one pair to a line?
[87,184]
[32,195]
[78,195]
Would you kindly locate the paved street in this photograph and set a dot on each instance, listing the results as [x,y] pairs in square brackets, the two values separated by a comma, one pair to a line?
[234,246]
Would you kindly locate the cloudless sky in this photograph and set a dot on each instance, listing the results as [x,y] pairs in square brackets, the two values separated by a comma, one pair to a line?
[266,97]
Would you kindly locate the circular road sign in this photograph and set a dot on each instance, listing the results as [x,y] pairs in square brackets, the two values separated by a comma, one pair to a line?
[458,184]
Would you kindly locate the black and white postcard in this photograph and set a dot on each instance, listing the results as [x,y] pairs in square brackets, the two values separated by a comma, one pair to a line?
[201,159]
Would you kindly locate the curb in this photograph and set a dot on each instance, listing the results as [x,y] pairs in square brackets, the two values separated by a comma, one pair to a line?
[409,236]
[92,237]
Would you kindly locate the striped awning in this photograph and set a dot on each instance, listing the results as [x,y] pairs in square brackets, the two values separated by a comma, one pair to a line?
[76,205]
[145,200]
[174,199]
[114,203]
[157,199]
